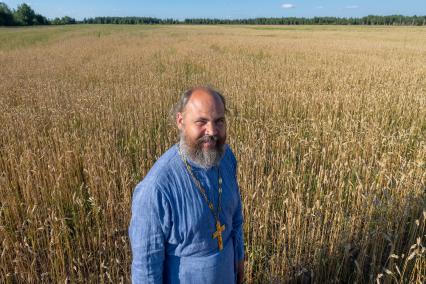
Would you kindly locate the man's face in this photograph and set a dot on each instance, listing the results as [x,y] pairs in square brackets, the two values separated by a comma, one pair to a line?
[203,128]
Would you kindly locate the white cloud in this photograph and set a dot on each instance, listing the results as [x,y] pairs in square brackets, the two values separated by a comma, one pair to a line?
[352,7]
[288,6]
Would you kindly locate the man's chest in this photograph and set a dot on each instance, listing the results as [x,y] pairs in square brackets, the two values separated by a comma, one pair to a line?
[195,210]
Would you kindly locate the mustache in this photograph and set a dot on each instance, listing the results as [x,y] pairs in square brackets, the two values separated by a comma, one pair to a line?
[208,138]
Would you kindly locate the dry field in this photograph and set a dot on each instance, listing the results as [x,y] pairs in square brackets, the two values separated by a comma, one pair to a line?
[328,124]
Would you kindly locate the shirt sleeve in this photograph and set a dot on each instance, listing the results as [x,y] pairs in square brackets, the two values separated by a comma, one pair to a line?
[238,220]
[148,231]
[237,224]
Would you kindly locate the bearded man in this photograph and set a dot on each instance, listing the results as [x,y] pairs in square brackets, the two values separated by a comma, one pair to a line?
[186,224]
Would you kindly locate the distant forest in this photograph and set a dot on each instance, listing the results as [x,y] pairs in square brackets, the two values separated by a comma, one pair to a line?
[24,15]
[368,20]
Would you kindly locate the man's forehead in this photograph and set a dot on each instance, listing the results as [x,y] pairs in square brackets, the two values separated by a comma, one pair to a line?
[202,101]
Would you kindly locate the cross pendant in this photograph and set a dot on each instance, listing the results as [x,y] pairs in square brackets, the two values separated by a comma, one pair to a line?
[218,234]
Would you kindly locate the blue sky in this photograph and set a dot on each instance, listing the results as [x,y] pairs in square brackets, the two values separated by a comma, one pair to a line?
[181,9]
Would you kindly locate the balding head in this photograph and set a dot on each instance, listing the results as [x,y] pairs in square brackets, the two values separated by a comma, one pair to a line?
[184,99]
[204,104]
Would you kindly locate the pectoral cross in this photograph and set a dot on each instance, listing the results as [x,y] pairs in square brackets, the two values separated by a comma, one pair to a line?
[218,234]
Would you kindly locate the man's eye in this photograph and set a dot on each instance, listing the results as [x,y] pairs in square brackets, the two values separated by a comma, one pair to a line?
[200,122]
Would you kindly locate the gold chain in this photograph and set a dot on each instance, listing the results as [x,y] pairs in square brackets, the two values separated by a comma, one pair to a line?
[203,191]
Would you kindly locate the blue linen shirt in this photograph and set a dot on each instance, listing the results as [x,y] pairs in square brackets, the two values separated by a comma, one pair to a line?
[171,229]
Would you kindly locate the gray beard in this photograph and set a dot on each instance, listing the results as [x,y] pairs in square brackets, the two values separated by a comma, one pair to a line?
[202,158]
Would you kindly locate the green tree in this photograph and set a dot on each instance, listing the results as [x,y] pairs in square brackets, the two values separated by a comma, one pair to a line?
[24,15]
[40,20]
[6,16]
[67,20]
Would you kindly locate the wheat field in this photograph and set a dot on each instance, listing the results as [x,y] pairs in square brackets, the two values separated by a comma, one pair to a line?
[328,124]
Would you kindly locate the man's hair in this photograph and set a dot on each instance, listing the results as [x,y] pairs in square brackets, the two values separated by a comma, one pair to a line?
[181,104]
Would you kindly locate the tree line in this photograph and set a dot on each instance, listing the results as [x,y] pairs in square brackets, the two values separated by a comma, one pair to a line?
[25,16]
[399,20]
[129,20]
[367,20]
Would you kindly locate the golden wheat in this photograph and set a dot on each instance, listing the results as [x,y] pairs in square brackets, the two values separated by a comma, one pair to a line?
[328,125]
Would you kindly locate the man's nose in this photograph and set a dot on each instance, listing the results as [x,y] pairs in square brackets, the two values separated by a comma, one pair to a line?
[211,129]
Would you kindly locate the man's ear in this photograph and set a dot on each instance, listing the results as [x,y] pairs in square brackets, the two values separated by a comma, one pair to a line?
[179,120]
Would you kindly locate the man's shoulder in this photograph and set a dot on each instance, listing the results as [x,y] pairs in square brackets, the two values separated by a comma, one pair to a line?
[168,167]
[166,163]
[229,156]
[161,172]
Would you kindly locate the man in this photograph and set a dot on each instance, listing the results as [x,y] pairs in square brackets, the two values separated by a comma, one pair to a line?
[186,224]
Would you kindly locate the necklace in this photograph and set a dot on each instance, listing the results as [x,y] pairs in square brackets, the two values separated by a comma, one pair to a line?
[219,228]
